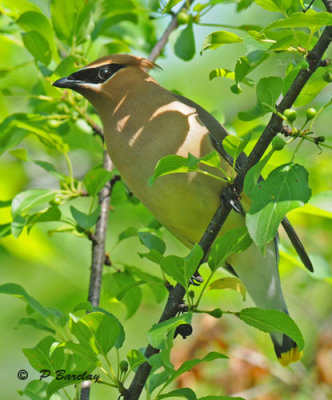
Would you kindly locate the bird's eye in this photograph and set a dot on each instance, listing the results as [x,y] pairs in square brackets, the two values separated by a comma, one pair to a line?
[103,73]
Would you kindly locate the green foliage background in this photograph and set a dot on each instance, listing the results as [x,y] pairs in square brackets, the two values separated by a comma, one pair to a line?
[55,268]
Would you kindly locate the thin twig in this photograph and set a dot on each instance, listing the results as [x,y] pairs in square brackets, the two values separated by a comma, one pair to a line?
[157,49]
[98,252]
[273,127]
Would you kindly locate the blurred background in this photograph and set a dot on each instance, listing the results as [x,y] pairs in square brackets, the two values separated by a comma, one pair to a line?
[54,268]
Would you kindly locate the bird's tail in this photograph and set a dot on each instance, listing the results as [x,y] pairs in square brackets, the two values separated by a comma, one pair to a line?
[260,275]
[286,349]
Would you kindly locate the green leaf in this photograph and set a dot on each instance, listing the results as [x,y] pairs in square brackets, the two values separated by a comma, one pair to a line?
[268,90]
[226,73]
[156,284]
[310,19]
[127,233]
[49,168]
[18,291]
[171,164]
[38,22]
[96,179]
[152,255]
[19,7]
[174,164]
[39,356]
[182,269]
[121,336]
[51,214]
[285,188]
[212,159]
[18,225]
[85,221]
[271,5]
[217,39]
[135,359]
[182,392]
[84,305]
[247,64]
[5,230]
[157,379]
[35,390]
[170,4]
[38,46]
[232,242]
[234,145]
[152,242]
[17,126]
[174,267]
[251,178]
[64,68]
[71,20]
[312,88]
[159,332]
[229,283]
[98,329]
[185,43]
[34,323]
[188,365]
[115,282]
[191,263]
[272,321]
[221,73]
[30,200]
[124,290]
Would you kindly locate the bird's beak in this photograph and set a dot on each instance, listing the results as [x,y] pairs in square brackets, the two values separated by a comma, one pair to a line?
[68,82]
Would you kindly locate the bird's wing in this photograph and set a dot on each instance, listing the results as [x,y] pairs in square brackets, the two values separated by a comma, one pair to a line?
[217,135]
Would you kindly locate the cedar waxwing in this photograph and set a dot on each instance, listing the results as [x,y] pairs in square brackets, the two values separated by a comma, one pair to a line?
[144,122]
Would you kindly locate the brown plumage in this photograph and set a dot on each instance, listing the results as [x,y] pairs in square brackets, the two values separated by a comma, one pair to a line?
[144,122]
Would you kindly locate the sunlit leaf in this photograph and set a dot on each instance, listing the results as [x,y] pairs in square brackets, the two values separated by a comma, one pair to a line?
[135,358]
[217,39]
[284,189]
[229,283]
[310,19]
[272,321]
[30,200]
[37,46]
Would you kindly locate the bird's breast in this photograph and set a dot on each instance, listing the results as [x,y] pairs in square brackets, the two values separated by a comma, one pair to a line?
[185,202]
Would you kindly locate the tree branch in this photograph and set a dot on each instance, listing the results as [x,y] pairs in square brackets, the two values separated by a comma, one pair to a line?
[157,49]
[98,252]
[273,127]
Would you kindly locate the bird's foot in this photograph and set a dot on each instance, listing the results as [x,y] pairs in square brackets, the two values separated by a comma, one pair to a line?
[230,195]
[196,279]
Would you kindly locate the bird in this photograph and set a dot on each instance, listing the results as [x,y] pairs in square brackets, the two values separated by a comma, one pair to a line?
[144,122]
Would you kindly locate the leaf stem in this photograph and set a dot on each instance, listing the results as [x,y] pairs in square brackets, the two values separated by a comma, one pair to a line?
[203,289]
[70,171]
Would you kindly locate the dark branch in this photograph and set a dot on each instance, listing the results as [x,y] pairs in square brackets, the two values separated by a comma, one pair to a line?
[273,127]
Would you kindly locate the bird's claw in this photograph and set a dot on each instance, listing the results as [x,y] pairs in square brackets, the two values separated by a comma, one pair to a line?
[230,195]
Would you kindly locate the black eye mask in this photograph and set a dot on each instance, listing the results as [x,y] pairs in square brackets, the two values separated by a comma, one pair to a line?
[96,75]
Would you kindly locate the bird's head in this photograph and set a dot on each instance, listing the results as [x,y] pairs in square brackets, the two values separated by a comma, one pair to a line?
[107,75]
